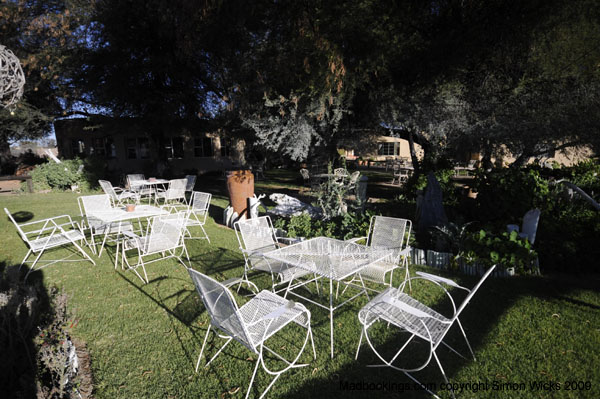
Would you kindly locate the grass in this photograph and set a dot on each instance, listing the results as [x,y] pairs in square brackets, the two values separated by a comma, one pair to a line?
[144,339]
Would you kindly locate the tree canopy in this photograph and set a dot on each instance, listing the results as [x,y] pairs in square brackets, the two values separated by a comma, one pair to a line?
[295,77]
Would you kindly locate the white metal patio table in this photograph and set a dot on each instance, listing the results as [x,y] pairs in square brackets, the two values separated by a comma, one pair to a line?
[329,258]
[118,215]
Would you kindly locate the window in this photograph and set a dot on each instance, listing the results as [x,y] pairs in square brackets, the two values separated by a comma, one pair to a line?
[110,148]
[225,147]
[77,147]
[177,147]
[131,148]
[387,149]
[203,147]
[98,149]
[173,147]
[144,147]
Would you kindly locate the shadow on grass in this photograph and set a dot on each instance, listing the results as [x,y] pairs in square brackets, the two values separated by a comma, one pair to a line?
[22,216]
[493,300]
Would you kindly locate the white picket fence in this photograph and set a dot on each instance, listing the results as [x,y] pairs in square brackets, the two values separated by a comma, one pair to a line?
[441,260]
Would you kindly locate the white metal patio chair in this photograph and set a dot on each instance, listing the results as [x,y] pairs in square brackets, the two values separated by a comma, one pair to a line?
[198,212]
[174,193]
[190,184]
[389,233]
[135,181]
[137,184]
[163,240]
[257,236]
[251,325]
[117,195]
[45,234]
[529,226]
[400,310]
[95,204]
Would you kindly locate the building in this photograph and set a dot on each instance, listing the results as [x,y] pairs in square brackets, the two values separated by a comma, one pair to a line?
[127,146]
[380,149]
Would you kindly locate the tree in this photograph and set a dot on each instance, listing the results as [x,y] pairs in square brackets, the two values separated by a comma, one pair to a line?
[44,37]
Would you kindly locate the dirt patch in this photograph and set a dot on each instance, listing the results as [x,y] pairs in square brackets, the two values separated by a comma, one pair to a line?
[86,386]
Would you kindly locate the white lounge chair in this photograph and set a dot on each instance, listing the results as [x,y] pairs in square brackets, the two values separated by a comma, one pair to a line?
[45,234]
[398,309]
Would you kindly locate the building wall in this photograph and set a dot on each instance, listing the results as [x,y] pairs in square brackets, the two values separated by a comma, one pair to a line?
[383,148]
[129,149]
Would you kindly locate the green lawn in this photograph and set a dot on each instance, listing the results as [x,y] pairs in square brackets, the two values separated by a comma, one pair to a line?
[144,339]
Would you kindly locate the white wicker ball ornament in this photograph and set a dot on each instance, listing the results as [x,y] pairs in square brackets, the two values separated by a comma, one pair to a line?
[12,79]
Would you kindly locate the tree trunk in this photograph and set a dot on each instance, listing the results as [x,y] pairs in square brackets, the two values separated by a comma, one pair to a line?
[413,153]
[5,156]
[521,160]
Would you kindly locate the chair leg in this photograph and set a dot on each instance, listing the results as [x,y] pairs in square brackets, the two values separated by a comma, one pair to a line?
[443,373]
[83,252]
[203,345]
[25,258]
[252,379]
[466,340]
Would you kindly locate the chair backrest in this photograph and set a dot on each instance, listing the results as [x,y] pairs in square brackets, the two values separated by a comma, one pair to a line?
[166,232]
[530,224]
[176,189]
[190,182]
[472,292]
[256,234]
[89,204]
[109,190]
[388,232]
[135,180]
[19,229]
[221,307]
[305,174]
[200,203]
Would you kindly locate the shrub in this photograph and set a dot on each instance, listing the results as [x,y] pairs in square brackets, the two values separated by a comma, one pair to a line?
[342,227]
[504,195]
[443,176]
[505,250]
[71,172]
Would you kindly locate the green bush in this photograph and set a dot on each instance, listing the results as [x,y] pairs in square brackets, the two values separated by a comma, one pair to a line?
[505,250]
[504,195]
[444,177]
[342,227]
[71,172]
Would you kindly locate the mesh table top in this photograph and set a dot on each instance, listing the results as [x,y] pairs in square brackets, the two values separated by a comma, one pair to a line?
[328,257]
[120,213]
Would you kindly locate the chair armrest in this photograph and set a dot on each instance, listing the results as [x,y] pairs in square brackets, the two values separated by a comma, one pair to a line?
[290,240]
[356,239]
[439,279]
[404,307]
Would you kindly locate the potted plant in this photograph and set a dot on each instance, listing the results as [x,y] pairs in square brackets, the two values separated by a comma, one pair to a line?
[240,185]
